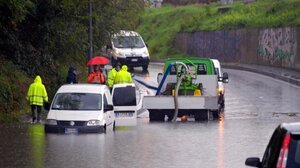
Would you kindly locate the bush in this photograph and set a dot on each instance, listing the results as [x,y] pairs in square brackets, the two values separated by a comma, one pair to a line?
[13,88]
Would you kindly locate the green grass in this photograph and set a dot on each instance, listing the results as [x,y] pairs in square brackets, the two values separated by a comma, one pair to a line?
[158,26]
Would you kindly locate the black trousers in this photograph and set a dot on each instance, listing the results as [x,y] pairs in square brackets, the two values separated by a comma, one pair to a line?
[34,114]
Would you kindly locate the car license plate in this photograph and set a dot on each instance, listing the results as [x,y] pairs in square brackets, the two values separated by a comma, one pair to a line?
[124,114]
[134,60]
[71,130]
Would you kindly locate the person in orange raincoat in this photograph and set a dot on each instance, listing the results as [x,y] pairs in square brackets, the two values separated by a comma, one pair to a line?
[96,76]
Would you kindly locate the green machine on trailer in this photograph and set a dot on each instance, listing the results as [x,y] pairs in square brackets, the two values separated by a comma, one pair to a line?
[188,86]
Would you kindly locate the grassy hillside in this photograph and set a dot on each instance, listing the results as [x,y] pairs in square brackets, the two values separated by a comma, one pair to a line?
[159,26]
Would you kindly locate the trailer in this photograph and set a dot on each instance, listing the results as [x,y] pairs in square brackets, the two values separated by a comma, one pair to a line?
[187,87]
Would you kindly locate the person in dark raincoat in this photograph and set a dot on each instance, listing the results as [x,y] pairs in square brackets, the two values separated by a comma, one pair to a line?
[71,78]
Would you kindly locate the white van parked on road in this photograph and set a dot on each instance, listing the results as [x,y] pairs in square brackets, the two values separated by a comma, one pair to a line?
[222,78]
[79,108]
[129,48]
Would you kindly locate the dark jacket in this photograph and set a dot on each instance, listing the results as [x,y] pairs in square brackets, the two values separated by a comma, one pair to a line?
[71,78]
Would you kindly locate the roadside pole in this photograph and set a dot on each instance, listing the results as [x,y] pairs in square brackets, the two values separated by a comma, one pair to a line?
[90,54]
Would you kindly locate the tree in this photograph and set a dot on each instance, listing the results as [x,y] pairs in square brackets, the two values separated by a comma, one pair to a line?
[45,36]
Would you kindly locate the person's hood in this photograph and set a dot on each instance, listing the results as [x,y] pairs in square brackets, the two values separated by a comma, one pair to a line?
[71,69]
[124,68]
[38,79]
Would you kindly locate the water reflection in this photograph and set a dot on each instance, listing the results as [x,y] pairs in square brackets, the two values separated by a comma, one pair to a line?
[77,150]
[37,140]
[220,155]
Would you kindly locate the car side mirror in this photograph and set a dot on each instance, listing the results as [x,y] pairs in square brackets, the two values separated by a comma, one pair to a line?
[253,161]
[108,107]
[225,77]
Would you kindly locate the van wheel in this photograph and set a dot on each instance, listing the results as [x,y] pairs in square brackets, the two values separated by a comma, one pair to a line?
[145,67]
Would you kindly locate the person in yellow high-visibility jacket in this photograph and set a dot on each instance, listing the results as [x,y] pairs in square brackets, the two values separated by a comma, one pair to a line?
[123,76]
[36,96]
[112,74]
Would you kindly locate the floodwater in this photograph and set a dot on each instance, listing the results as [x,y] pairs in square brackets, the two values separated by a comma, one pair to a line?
[255,105]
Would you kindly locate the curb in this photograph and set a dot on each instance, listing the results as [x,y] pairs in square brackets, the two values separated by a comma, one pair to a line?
[270,74]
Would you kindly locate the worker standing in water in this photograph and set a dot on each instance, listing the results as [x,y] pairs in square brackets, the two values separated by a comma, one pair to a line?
[36,96]
[112,74]
[123,76]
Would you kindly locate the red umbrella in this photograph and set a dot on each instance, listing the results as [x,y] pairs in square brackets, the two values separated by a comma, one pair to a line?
[98,60]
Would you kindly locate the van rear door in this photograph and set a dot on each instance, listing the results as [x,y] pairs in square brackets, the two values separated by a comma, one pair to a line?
[125,104]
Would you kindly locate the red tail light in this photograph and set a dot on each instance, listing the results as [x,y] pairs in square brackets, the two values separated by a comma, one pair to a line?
[281,163]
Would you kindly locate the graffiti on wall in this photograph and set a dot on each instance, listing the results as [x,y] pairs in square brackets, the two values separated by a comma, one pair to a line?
[276,45]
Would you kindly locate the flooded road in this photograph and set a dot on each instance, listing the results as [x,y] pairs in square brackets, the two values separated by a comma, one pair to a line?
[255,105]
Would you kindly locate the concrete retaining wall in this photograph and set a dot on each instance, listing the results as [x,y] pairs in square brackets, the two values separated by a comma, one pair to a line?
[273,47]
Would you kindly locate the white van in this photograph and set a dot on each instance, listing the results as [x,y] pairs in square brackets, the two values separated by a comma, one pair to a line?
[222,78]
[129,48]
[81,108]
[125,104]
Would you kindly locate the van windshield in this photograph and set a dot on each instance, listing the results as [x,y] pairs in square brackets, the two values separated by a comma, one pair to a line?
[77,101]
[128,42]
[294,152]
